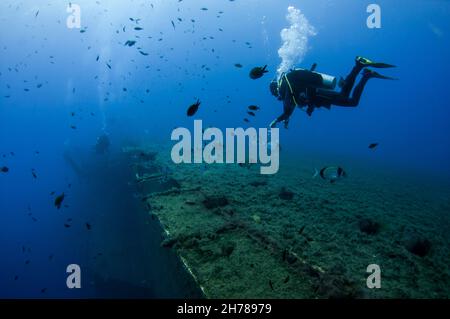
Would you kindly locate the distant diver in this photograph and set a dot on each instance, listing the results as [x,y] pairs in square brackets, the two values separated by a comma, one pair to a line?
[103,144]
[307,88]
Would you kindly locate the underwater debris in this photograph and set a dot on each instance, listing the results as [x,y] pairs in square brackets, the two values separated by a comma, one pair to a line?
[215,202]
[286,194]
[368,226]
[418,245]
[258,72]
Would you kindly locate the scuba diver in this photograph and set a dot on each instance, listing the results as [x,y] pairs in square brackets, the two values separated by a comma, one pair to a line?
[307,88]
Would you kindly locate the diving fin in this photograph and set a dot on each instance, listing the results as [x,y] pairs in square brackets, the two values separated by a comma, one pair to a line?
[373,74]
[368,63]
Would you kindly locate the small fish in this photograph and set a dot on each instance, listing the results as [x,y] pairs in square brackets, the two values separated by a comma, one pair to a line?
[138,28]
[98,58]
[253,108]
[108,65]
[246,121]
[33,172]
[67,225]
[88,226]
[73,127]
[204,9]
[43,290]
[16,278]
[251,113]
[143,53]
[37,13]
[130,43]
[331,173]
[258,72]
[193,108]
[238,65]
[59,200]
[173,24]
[373,146]
[4,169]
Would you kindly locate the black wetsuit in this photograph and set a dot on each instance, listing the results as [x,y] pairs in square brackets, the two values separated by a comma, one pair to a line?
[303,94]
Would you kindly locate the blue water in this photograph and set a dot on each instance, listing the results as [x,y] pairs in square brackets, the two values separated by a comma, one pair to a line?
[409,117]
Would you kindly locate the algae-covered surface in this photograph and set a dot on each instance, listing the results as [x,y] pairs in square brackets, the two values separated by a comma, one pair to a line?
[246,235]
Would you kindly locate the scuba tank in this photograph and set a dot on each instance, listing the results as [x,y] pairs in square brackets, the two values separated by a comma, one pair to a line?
[312,79]
[328,82]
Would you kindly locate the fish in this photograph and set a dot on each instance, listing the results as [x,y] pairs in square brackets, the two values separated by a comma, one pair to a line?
[4,169]
[130,43]
[238,65]
[173,24]
[88,226]
[258,72]
[251,113]
[108,65]
[33,172]
[143,53]
[246,121]
[331,173]
[59,200]
[67,225]
[138,28]
[253,108]
[193,108]
[98,57]
[373,146]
